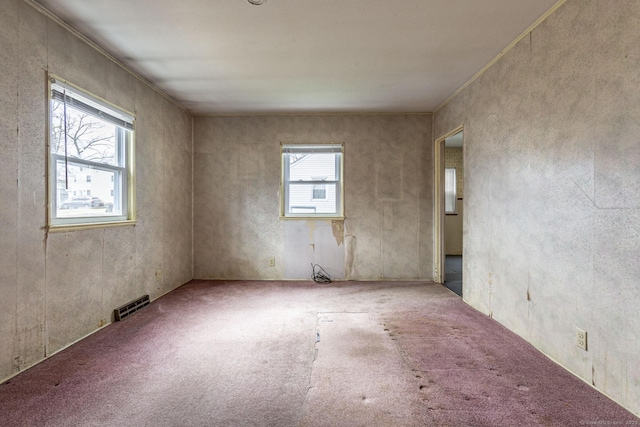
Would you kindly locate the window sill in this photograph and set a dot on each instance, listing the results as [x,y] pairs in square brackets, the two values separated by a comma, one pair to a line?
[62,228]
[306,218]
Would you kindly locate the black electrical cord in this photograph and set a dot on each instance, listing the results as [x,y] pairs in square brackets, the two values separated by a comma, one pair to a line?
[319,275]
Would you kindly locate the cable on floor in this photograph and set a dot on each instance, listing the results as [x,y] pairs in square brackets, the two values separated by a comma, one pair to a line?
[319,275]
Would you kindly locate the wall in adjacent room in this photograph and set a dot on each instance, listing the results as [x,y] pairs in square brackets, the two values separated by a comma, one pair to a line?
[388,174]
[552,200]
[56,288]
[453,222]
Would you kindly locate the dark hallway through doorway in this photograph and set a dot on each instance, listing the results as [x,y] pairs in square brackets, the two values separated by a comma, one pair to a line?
[453,273]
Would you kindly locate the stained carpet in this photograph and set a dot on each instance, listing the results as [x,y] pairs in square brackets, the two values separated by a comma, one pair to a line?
[251,353]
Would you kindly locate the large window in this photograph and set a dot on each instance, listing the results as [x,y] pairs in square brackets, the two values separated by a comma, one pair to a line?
[90,158]
[312,180]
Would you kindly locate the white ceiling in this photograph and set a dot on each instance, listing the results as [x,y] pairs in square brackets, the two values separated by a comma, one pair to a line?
[288,56]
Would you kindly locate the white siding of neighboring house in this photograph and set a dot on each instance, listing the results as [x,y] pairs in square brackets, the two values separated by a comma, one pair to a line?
[312,167]
[100,185]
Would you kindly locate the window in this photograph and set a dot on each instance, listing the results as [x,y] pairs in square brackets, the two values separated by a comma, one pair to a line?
[450,195]
[312,180]
[319,192]
[90,154]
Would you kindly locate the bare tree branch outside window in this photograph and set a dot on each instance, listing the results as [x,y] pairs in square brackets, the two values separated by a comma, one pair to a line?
[88,137]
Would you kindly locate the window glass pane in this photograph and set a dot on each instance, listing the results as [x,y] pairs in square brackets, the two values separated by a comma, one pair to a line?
[313,167]
[86,191]
[301,199]
[450,190]
[88,137]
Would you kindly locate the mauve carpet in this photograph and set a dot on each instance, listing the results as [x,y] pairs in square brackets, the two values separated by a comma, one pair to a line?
[250,353]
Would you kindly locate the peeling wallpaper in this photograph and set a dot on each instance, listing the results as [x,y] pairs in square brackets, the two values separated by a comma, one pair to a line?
[57,288]
[552,193]
[388,174]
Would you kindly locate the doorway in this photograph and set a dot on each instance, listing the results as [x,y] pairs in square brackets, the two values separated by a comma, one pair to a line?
[450,209]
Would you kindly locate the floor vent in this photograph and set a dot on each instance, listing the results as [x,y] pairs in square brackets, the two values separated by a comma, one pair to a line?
[130,308]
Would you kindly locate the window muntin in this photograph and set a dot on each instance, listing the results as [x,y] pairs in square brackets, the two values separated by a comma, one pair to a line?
[450,194]
[312,180]
[91,161]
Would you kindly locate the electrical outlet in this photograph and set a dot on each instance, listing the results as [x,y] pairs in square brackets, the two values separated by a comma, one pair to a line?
[272,262]
[581,339]
[158,275]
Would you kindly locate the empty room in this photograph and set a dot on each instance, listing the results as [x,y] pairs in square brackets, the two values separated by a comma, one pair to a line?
[241,213]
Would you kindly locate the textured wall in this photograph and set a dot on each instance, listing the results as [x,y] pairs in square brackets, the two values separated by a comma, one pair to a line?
[56,288]
[388,198]
[552,193]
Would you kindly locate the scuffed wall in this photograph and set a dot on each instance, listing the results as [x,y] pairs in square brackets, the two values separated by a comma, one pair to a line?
[313,243]
[388,173]
[552,200]
[56,288]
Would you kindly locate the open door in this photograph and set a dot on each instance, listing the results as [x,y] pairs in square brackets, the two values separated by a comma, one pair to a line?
[449,209]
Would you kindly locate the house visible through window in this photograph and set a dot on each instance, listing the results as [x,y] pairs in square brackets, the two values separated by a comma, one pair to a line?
[312,180]
[90,143]
[450,195]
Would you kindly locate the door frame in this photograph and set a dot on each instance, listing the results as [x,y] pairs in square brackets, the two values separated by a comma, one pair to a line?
[438,205]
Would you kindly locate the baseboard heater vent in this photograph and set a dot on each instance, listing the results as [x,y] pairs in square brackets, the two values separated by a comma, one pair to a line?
[130,308]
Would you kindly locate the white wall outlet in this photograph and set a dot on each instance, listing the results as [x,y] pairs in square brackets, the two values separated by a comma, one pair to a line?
[272,262]
[581,339]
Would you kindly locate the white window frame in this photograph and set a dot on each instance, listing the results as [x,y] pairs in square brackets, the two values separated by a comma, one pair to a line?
[285,183]
[125,152]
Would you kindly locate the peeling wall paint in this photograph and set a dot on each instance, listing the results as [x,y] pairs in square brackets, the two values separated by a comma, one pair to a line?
[350,250]
[311,224]
[310,242]
[337,227]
